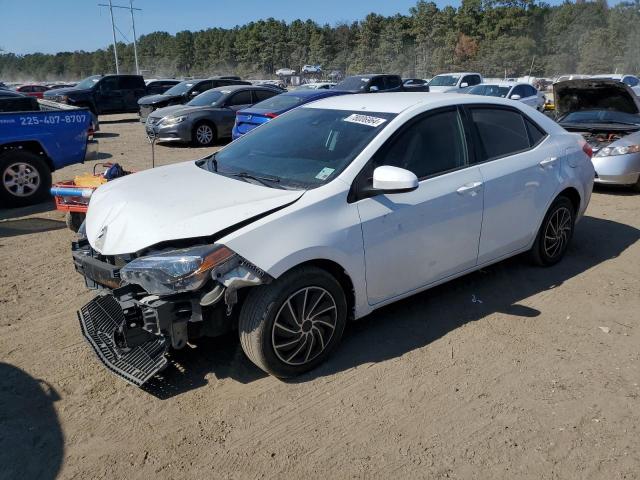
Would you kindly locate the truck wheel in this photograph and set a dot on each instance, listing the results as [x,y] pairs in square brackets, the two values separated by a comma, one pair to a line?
[292,325]
[74,220]
[25,179]
[204,134]
[555,233]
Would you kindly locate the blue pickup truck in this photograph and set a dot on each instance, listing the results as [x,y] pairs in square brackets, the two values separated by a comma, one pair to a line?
[35,142]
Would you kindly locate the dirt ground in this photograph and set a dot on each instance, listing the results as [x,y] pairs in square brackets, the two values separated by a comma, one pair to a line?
[511,372]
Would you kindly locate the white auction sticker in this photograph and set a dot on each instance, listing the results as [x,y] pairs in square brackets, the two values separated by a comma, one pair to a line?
[365,120]
[325,173]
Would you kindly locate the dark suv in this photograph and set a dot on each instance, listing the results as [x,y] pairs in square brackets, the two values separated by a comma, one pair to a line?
[370,83]
[103,93]
[183,92]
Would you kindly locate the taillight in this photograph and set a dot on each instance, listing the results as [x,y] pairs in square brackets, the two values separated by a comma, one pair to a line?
[586,148]
[271,115]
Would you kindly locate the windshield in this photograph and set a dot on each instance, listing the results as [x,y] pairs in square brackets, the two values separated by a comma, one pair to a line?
[601,116]
[444,81]
[353,84]
[180,88]
[490,91]
[333,138]
[210,97]
[89,81]
[279,102]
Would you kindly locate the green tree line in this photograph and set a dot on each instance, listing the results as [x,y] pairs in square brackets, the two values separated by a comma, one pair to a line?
[494,37]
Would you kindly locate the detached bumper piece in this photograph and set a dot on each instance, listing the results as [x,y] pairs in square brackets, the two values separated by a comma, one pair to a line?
[102,322]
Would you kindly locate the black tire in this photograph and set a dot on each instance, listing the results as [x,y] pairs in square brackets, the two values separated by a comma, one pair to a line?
[74,220]
[269,346]
[555,233]
[33,177]
[636,186]
[204,140]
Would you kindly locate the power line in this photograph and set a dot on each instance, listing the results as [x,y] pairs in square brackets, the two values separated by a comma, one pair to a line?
[114,28]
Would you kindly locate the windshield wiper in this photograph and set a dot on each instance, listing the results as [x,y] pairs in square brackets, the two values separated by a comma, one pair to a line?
[263,179]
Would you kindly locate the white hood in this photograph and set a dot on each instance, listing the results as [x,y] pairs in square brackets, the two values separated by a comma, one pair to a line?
[173,202]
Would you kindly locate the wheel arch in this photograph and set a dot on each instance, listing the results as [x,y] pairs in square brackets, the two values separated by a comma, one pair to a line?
[31,146]
[338,272]
[574,197]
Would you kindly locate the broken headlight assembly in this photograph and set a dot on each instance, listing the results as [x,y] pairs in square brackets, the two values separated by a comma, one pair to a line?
[623,150]
[175,271]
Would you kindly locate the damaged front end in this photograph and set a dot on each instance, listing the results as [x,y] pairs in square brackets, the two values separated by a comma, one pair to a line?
[158,301]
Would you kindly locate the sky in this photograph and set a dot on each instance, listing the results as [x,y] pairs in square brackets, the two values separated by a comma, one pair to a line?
[51,26]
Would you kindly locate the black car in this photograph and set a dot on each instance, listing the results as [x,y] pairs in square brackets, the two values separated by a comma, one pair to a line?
[159,86]
[11,101]
[103,93]
[181,93]
[415,85]
[370,83]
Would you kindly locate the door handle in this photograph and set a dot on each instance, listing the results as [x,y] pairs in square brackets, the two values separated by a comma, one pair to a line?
[548,161]
[469,188]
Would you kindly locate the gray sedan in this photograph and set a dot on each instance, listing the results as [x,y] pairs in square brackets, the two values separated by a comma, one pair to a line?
[208,117]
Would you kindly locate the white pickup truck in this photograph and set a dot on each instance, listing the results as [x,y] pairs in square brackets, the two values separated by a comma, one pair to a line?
[454,82]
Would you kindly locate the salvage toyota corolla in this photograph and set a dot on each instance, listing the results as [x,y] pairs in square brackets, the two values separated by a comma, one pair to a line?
[322,215]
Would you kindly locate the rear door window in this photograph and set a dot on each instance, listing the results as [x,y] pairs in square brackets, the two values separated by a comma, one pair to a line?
[129,83]
[240,98]
[260,95]
[501,132]
[379,83]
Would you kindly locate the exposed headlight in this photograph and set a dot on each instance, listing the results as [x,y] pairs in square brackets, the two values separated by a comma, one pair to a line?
[177,270]
[623,150]
[172,120]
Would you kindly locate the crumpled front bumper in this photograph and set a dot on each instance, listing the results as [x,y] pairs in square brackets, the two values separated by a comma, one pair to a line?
[102,321]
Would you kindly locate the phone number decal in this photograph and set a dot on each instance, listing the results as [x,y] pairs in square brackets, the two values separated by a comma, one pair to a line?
[52,119]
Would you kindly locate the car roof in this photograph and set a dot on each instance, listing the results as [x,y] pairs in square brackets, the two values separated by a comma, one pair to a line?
[457,73]
[233,88]
[397,102]
[502,84]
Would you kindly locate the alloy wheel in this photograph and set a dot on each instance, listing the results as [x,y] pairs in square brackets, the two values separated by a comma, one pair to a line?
[21,179]
[304,325]
[557,232]
[204,134]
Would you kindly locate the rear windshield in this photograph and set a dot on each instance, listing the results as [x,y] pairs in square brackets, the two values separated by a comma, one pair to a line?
[280,102]
[490,91]
[332,139]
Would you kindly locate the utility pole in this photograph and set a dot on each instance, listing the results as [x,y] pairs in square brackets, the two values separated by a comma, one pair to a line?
[113,29]
[135,47]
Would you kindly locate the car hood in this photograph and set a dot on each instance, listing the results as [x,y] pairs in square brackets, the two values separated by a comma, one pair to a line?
[179,201]
[155,99]
[594,94]
[442,89]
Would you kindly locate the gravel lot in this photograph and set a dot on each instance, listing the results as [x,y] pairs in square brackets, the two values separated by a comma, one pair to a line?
[511,372]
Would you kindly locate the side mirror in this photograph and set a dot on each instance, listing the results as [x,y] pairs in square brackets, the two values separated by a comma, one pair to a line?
[388,179]
[373,89]
[515,97]
[464,85]
[195,93]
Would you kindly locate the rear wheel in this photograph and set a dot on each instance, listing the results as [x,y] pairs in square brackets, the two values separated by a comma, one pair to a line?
[25,179]
[555,233]
[291,325]
[204,134]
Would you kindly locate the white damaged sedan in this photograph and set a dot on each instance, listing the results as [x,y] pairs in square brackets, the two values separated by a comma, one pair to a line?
[320,216]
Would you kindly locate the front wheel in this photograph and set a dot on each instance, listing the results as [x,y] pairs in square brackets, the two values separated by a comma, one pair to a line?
[555,233]
[25,179]
[204,135]
[291,325]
